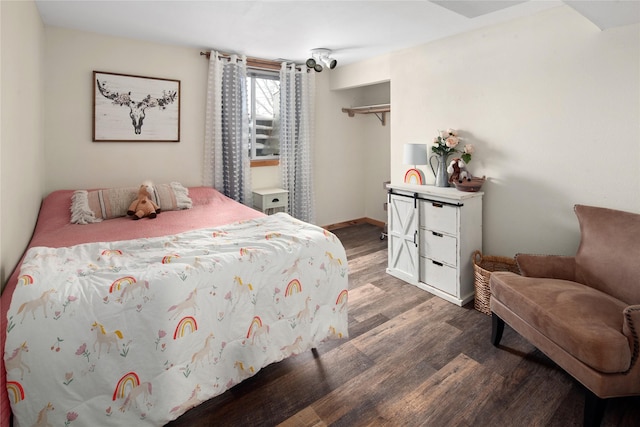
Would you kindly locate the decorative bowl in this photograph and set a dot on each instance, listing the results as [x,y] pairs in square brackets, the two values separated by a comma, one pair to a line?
[474,185]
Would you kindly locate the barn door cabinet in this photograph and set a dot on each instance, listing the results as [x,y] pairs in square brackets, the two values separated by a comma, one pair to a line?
[433,233]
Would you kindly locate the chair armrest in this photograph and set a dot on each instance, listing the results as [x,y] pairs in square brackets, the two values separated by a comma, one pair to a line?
[631,328]
[547,266]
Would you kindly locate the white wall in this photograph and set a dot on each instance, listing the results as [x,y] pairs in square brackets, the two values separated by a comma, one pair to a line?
[376,140]
[21,123]
[367,83]
[338,166]
[352,153]
[73,160]
[551,103]
[265,177]
[368,72]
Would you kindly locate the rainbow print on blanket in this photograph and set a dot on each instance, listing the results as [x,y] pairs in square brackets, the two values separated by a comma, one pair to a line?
[129,333]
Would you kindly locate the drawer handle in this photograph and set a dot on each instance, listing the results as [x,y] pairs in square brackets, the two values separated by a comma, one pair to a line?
[275,200]
[437,263]
[437,205]
[436,234]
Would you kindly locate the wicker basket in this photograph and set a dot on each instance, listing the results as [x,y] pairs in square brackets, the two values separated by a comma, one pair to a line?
[483,266]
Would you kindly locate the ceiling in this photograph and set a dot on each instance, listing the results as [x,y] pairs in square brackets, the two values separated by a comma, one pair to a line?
[353,30]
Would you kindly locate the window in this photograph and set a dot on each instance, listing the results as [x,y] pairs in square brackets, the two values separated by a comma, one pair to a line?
[263,89]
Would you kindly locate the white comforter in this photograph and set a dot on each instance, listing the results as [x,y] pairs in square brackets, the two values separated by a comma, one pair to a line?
[137,332]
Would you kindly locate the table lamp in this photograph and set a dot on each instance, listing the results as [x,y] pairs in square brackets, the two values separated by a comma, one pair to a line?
[414,154]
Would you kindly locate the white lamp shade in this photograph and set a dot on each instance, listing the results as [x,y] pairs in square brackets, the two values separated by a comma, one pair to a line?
[415,154]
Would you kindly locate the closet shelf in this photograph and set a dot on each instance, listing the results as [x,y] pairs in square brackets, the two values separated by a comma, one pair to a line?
[379,110]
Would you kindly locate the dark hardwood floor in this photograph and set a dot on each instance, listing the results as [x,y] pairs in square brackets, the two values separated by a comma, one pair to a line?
[411,359]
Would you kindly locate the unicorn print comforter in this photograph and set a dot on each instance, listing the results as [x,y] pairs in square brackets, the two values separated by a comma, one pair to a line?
[137,332]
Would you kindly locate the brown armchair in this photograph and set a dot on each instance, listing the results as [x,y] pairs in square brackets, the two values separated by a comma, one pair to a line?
[583,312]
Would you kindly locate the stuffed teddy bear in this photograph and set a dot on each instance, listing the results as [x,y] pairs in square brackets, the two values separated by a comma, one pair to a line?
[143,206]
[458,170]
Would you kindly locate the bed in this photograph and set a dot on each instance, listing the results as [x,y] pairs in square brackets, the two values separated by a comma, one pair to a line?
[125,322]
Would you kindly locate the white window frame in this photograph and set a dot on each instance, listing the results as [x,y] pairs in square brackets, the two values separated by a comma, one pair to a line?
[252,74]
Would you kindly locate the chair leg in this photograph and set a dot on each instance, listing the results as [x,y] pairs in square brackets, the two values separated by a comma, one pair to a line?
[497,328]
[593,409]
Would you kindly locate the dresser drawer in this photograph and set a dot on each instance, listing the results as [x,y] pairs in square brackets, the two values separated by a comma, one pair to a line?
[439,217]
[439,247]
[267,199]
[275,200]
[438,275]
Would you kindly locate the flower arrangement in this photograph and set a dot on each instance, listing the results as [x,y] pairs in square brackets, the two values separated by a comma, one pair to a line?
[447,141]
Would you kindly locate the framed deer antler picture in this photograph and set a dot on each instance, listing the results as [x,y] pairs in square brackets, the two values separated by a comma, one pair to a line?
[135,108]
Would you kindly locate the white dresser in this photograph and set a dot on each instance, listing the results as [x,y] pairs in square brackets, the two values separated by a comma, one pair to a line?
[433,233]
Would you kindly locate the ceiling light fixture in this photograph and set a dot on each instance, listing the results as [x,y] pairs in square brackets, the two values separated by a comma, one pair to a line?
[319,57]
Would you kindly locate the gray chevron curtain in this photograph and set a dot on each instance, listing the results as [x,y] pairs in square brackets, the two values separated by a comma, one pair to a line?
[227,166]
[296,120]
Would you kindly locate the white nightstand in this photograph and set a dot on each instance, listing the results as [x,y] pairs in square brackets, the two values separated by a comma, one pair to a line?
[271,200]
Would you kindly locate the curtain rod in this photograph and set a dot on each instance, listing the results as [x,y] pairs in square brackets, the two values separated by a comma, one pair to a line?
[265,64]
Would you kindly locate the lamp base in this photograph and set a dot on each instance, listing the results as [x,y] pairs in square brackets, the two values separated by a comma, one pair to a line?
[414,176]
